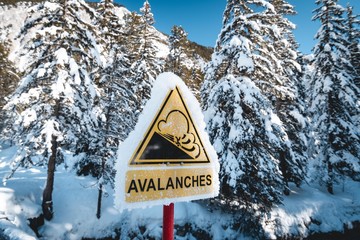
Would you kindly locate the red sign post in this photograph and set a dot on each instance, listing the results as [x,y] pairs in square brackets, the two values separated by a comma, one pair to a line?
[168,222]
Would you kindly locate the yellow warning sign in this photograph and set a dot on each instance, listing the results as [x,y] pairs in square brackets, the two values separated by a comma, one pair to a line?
[172,138]
[168,157]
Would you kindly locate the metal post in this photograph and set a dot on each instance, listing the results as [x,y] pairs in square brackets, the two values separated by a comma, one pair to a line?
[168,222]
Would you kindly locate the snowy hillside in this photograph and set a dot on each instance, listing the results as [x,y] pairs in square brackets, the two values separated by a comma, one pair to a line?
[10,30]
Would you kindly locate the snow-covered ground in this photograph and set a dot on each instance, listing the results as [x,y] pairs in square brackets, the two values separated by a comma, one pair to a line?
[315,210]
[306,209]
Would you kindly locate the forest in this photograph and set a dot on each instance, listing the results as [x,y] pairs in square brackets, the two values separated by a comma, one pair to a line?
[75,77]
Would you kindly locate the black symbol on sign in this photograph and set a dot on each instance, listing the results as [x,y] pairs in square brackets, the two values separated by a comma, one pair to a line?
[172,137]
[173,140]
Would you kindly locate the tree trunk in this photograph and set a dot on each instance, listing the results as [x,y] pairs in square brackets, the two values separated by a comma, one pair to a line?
[47,204]
[98,212]
[331,100]
[329,183]
[284,166]
[103,162]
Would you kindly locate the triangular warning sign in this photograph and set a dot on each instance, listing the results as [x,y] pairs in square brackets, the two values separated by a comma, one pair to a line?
[172,137]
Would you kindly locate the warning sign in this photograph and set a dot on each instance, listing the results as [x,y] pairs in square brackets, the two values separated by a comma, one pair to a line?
[172,137]
[168,157]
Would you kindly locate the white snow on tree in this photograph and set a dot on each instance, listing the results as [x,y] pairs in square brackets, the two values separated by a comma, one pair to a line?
[8,79]
[178,59]
[353,36]
[144,63]
[118,99]
[290,106]
[52,109]
[177,56]
[243,128]
[333,100]
[246,135]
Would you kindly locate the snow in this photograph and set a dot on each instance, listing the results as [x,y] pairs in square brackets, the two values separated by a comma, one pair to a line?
[312,208]
[74,204]
[161,46]
[48,131]
[245,62]
[307,209]
[51,6]
[327,48]
[51,30]
[14,24]
[299,117]
[61,56]
[121,12]
[29,116]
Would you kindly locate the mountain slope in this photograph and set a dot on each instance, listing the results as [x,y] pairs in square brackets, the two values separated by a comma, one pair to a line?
[10,32]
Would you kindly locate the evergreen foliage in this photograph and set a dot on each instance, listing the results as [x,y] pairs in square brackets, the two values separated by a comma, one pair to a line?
[87,79]
[178,63]
[246,133]
[353,36]
[8,79]
[177,42]
[334,98]
[290,106]
[52,109]
[145,65]
[118,98]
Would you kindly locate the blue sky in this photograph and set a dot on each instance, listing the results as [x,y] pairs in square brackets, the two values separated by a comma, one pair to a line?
[202,19]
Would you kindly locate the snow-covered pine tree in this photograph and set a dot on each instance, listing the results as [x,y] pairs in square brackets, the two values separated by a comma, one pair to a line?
[52,109]
[145,65]
[178,59]
[177,41]
[8,79]
[353,36]
[132,21]
[118,99]
[333,100]
[264,36]
[289,106]
[244,130]
[110,26]
[306,62]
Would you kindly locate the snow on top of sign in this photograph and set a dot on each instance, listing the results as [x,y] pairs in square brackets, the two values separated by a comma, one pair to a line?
[164,83]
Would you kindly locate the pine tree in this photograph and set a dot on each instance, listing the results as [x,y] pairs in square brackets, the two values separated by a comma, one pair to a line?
[261,41]
[118,98]
[306,61]
[177,42]
[244,130]
[132,32]
[353,36]
[52,109]
[145,65]
[8,79]
[178,59]
[334,97]
[110,26]
[289,107]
